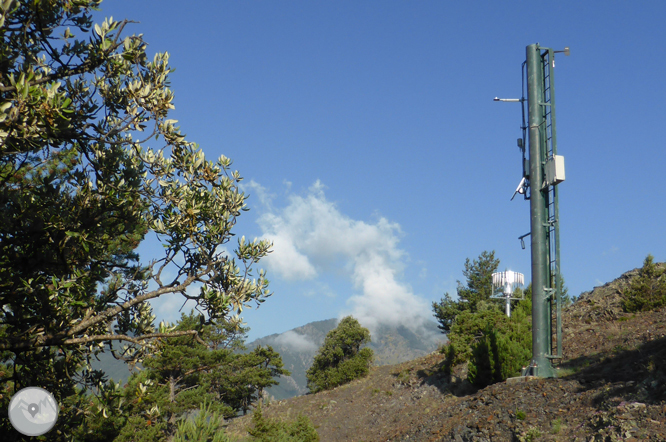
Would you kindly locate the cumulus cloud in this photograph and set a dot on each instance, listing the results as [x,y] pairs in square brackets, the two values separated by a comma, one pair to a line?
[311,236]
[286,259]
[296,342]
[255,189]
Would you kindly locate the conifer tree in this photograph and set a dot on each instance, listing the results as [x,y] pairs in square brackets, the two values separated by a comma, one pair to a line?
[341,358]
[181,375]
[476,290]
[648,290]
[503,346]
[479,331]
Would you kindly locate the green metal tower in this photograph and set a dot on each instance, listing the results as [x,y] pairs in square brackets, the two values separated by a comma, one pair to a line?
[542,172]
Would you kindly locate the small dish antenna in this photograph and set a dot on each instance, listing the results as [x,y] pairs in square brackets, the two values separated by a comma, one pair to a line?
[504,286]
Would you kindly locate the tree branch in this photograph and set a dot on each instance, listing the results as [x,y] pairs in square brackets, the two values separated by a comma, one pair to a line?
[138,340]
[43,341]
[86,66]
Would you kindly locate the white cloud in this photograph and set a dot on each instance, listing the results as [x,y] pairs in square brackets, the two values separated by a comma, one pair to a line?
[383,299]
[170,306]
[286,260]
[295,341]
[613,250]
[253,188]
[311,237]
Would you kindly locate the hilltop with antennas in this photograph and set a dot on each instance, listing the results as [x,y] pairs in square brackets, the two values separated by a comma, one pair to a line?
[611,385]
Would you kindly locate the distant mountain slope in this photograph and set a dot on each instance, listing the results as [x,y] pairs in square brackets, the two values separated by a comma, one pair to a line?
[392,345]
[114,369]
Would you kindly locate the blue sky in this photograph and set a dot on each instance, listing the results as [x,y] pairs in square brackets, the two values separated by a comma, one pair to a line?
[376,158]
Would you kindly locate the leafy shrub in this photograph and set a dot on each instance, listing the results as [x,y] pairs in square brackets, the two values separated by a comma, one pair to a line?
[496,347]
[139,429]
[530,435]
[466,330]
[648,290]
[206,427]
[556,426]
[269,430]
[341,358]
[505,346]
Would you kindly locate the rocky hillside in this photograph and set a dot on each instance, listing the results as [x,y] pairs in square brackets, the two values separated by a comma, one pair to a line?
[611,387]
[391,345]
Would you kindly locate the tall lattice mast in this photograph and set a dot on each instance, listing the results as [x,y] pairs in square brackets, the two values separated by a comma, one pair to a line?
[543,170]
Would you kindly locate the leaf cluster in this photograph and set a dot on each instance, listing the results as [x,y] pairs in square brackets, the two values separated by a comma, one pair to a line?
[80,188]
[206,427]
[341,358]
[471,295]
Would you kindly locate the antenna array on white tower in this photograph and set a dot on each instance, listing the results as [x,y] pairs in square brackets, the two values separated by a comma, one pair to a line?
[506,284]
[508,281]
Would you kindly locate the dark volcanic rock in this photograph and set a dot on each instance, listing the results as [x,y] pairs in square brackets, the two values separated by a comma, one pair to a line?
[603,303]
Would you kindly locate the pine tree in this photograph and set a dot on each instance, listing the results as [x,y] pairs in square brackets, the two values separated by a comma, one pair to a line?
[479,332]
[206,427]
[180,375]
[503,345]
[476,290]
[648,290]
[341,358]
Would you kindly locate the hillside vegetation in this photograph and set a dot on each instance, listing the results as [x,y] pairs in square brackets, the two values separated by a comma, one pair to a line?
[298,347]
[611,386]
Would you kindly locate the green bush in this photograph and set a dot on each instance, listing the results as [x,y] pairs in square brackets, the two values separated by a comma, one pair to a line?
[269,430]
[503,347]
[139,429]
[648,290]
[467,328]
[496,347]
[206,427]
[341,358]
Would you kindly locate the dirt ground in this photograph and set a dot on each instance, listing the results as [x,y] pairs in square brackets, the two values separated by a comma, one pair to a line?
[611,386]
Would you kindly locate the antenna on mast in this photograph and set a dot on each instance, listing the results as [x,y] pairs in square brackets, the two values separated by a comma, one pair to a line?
[506,284]
[543,170]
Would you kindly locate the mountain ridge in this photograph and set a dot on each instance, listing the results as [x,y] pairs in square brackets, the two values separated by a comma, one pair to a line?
[298,346]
